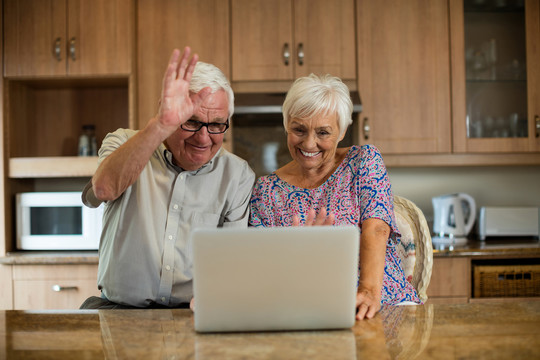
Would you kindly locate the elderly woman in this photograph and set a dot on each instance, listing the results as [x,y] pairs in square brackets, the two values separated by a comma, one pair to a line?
[350,184]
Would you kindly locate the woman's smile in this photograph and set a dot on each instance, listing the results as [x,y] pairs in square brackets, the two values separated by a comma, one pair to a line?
[309,153]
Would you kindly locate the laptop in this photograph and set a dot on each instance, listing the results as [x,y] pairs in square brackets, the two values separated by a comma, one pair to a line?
[275,279]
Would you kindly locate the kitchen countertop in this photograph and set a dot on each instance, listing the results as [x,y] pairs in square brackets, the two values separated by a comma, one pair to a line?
[50,258]
[511,247]
[506,330]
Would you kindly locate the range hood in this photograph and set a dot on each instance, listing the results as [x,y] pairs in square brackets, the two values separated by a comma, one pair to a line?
[254,103]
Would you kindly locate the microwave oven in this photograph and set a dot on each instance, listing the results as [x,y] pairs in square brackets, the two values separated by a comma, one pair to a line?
[56,221]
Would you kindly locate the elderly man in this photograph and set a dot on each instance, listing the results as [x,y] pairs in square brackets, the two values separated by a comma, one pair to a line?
[161,182]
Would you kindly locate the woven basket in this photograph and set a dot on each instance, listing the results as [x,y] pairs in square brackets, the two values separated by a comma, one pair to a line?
[506,280]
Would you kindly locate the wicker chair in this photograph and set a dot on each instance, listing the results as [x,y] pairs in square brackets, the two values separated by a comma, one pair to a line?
[415,248]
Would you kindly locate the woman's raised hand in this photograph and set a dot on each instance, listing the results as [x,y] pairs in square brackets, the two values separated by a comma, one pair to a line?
[177,104]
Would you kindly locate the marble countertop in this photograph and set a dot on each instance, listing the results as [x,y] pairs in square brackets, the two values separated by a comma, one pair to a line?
[506,330]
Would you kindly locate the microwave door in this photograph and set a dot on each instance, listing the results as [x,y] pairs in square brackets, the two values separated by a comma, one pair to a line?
[57,220]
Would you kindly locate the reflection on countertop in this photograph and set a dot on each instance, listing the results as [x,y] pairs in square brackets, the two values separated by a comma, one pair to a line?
[489,330]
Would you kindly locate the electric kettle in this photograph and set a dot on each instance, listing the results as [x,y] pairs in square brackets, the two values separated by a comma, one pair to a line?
[453,217]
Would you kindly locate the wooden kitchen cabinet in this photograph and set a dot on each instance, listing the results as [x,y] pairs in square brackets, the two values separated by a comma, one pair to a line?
[164,25]
[450,280]
[51,38]
[404,75]
[495,52]
[279,41]
[37,287]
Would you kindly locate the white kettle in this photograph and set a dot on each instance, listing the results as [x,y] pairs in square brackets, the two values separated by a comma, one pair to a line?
[454,216]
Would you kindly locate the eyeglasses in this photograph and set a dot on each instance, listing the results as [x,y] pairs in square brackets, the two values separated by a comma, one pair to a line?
[213,128]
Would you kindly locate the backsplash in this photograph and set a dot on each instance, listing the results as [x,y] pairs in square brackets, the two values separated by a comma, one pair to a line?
[488,185]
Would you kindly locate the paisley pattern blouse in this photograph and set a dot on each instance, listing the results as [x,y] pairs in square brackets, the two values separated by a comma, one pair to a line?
[359,189]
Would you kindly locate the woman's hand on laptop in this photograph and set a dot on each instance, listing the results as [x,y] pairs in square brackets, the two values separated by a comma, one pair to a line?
[314,219]
[367,304]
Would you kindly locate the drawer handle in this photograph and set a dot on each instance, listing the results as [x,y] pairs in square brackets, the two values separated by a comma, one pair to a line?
[537,125]
[59,288]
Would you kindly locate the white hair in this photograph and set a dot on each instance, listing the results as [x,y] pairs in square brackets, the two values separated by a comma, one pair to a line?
[318,95]
[208,75]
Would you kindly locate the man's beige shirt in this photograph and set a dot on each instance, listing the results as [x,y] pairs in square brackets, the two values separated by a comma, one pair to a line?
[144,252]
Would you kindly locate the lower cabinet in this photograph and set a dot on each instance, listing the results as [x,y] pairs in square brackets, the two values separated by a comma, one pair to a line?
[37,287]
[450,281]
[484,279]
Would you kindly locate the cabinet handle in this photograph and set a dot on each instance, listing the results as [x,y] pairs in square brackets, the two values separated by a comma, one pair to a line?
[300,53]
[59,288]
[57,50]
[537,124]
[72,49]
[286,54]
[366,128]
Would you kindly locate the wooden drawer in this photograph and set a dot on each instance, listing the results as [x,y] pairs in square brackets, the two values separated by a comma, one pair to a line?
[53,286]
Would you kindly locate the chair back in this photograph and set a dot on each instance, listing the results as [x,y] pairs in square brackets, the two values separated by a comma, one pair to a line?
[415,248]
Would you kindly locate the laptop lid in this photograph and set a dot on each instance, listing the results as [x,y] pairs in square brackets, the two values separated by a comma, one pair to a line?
[271,279]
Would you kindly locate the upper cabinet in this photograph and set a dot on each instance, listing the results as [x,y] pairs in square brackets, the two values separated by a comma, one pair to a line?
[52,38]
[282,40]
[404,75]
[496,75]
[165,25]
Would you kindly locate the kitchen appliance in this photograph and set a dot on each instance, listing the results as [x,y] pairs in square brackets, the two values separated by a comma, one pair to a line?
[508,221]
[56,221]
[453,218]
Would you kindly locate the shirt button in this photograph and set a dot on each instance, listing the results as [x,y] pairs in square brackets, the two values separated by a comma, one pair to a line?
[175,207]
[170,237]
[168,267]
[163,299]
[181,177]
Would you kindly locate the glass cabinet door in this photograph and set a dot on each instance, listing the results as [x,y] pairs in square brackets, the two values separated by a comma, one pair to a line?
[495,68]
[499,50]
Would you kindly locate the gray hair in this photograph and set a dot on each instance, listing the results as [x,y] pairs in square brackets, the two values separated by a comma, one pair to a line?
[208,75]
[318,95]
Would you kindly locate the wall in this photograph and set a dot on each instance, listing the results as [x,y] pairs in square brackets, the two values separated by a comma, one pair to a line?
[493,186]
[489,186]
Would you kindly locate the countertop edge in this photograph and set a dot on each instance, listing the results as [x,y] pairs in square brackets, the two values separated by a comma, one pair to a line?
[50,258]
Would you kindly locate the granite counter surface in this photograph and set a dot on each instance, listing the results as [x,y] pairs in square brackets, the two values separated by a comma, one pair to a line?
[464,331]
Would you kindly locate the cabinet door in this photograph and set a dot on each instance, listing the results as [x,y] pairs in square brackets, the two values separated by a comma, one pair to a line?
[404,75]
[450,280]
[495,76]
[32,32]
[324,32]
[99,38]
[164,25]
[261,40]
